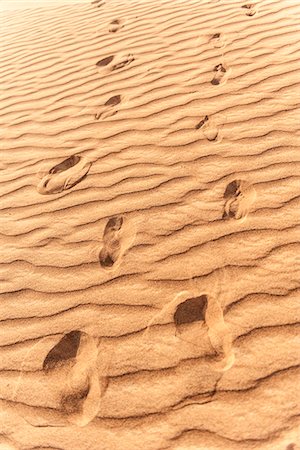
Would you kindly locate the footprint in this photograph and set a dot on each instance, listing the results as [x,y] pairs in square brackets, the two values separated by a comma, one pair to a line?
[239,197]
[251,9]
[111,242]
[115,25]
[218,40]
[105,61]
[82,390]
[65,175]
[122,62]
[108,109]
[209,129]
[118,237]
[205,310]
[221,75]
[182,310]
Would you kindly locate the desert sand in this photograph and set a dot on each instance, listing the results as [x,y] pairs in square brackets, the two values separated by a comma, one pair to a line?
[149,177]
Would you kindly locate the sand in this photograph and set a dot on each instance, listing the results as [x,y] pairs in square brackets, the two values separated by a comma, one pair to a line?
[149,178]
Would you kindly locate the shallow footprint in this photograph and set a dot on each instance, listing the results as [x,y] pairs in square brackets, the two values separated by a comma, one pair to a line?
[98,3]
[115,25]
[65,175]
[219,336]
[221,75]
[108,109]
[218,40]
[251,9]
[239,197]
[209,129]
[111,242]
[80,399]
[123,61]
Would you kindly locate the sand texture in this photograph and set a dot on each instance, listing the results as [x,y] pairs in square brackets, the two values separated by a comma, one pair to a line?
[149,225]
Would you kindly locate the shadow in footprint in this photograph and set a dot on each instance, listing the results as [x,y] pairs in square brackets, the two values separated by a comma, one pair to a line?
[220,76]
[65,350]
[105,61]
[73,403]
[64,175]
[191,310]
[66,164]
[251,9]
[111,242]
[201,123]
[108,109]
[81,389]
[239,197]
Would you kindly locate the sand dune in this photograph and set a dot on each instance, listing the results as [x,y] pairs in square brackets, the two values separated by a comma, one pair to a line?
[150,225]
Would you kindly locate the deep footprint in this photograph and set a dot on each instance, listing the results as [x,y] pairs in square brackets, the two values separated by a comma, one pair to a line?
[65,175]
[239,197]
[219,76]
[111,242]
[191,310]
[105,61]
[81,394]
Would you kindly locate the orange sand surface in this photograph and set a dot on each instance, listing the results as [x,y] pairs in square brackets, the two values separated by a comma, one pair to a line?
[149,225]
